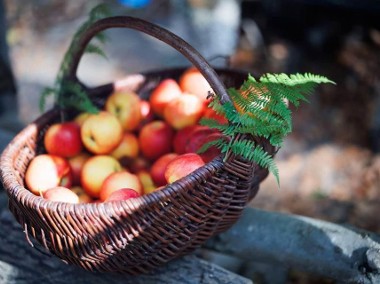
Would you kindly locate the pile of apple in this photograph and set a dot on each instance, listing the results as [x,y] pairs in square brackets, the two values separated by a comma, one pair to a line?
[130,148]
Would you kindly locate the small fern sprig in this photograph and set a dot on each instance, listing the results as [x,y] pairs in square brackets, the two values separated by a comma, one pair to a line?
[73,94]
[260,108]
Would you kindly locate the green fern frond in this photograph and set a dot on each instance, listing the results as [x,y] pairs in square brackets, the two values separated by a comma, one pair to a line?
[46,92]
[73,95]
[248,149]
[101,37]
[294,79]
[77,97]
[98,12]
[213,123]
[260,109]
[218,142]
[91,48]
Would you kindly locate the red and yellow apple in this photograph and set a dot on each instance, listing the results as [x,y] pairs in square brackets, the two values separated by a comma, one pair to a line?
[163,94]
[123,194]
[155,139]
[183,111]
[95,170]
[63,139]
[118,180]
[128,147]
[76,164]
[193,82]
[125,106]
[182,165]
[46,171]
[61,194]
[101,133]
[157,171]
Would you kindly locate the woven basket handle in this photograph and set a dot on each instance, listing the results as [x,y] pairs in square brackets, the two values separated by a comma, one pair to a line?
[155,31]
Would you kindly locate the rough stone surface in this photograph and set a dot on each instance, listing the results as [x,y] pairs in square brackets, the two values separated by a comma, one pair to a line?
[318,247]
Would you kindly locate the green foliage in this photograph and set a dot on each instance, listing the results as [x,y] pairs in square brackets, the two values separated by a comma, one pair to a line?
[73,94]
[260,109]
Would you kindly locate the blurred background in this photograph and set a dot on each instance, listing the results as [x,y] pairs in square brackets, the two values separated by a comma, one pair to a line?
[330,164]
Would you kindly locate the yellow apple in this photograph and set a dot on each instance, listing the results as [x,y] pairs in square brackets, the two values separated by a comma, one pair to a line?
[95,170]
[186,110]
[192,81]
[46,171]
[83,196]
[125,106]
[101,133]
[128,147]
[61,194]
[80,118]
[146,181]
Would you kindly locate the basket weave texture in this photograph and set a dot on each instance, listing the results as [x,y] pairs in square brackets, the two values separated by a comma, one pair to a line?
[136,235]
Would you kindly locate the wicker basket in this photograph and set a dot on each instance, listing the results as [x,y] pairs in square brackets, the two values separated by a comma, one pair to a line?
[136,235]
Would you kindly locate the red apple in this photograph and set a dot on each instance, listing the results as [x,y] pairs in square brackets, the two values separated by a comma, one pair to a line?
[182,137]
[95,170]
[76,164]
[213,151]
[193,82]
[147,113]
[46,171]
[118,180]
[137,165]
[125,105]
[155,139]
[201,136]
[211,113]
[182,165]
[61,194]
[101,133]
[157,171]
[163,94]
[63,139]
[122,194]
[197,137]
[183,111]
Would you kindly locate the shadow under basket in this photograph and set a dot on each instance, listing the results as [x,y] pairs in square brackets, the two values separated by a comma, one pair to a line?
[136,235]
